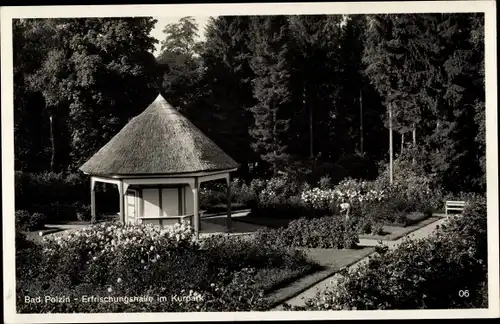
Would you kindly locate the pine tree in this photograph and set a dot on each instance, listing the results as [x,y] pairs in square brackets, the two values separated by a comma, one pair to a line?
[223,111]
[428,68]
[314,78]
[271,90]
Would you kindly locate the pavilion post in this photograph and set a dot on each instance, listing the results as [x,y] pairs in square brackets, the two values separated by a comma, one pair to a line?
[122,207]
[92,201]
[196,207]
[228,219]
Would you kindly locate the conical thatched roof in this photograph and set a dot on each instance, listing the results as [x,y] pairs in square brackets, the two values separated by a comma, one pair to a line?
[158,141]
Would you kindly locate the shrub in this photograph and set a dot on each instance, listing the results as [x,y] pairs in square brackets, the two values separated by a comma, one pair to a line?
[293,207]
[29,222]
[377,229]
[61,212]
[211,197]
[37,221]
[419,274]
[324,232]
[427,209]
[277,190]
[394,213]
[83,213]
[325,182]
[55,195]
[280,197]
[349,190]
[243,193]
[412,185]
[216,194]
[250,253]
[22,218]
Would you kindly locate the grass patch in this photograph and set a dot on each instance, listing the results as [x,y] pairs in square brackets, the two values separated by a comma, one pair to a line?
[271,279]
[337,258]
[271,222]
[222,208]
[330,261]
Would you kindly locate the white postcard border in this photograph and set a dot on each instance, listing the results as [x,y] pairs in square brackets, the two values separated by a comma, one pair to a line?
[8,13]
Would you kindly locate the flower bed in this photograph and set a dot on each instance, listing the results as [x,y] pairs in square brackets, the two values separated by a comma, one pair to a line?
[178,272]
[274,265]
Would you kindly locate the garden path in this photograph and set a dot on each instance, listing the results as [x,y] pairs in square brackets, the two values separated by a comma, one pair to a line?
[212,225]
[300,299]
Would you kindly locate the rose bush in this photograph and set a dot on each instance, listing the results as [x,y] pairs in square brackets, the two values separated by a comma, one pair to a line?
[348,190]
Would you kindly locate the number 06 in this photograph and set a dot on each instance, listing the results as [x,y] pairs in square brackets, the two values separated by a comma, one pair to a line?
[463,293]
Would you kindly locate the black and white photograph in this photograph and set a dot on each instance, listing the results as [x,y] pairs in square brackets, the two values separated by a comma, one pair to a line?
[275,160]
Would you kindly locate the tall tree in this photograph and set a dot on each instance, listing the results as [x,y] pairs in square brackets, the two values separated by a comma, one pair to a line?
[314,68]
[52,39]
[427,67]
[272,89]
[180,51]
[31,134]
[223,109]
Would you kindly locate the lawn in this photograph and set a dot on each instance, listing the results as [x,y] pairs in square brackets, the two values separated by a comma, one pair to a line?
[222,208]
[272,222]
[335,258]
[331,261]
[272,279]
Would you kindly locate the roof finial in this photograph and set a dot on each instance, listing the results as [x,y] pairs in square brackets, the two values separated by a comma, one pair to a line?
[160,98]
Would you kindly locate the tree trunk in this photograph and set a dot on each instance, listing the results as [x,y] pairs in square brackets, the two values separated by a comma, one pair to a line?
[52,144]
[402,142]
[414,140]
[361,120]
[438,124]
[390,144]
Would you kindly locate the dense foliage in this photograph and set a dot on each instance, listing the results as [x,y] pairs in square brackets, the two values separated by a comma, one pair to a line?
[430,273]
[29,222]
[61,197]
[86,76]
[255,86]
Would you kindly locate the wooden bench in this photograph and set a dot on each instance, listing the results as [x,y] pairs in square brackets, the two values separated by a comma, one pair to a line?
[454,205]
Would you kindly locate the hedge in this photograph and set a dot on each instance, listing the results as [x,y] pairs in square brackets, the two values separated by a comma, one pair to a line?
[324,232]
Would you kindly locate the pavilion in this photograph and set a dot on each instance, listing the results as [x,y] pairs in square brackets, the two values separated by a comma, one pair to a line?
[158,161]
